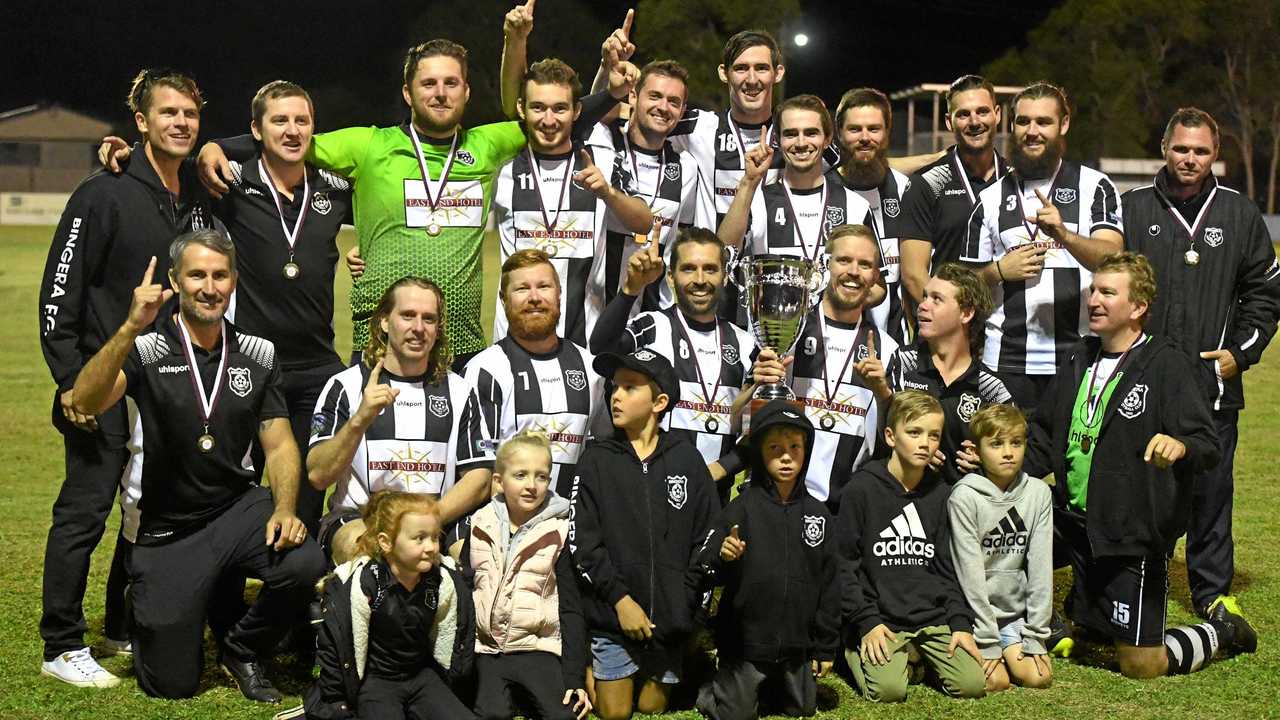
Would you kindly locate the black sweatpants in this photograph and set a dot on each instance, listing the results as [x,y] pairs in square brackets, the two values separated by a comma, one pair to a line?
[173,585]
[535,679]
[1210,548]
[301,390]
[741,688]
[424,696]
[93,462]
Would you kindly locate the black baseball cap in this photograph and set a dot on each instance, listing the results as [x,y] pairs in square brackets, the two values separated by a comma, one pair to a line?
[644,361]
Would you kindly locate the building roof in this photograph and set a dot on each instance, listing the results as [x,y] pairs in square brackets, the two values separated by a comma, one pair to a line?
[50,121]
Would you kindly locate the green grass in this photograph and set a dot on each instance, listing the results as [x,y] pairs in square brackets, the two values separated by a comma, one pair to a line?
[31,462]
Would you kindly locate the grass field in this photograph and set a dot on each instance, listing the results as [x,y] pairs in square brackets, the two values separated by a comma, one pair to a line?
[31,470]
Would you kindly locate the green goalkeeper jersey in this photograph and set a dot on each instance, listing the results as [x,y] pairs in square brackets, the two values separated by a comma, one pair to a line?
[392,214]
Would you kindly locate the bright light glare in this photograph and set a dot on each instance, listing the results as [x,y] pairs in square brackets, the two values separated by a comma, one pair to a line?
[801,39]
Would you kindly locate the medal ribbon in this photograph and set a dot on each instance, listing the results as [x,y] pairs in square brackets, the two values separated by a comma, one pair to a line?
[635,170]
[963,174]
[433,202]
[822,331]
[697,364]
[742,147]
[289,235]
[1193,230]
[822,220]
[535,169]
[1091,407]
[1022,211]
[209,402]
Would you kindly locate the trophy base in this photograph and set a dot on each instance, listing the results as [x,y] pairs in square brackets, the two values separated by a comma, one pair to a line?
[771,391]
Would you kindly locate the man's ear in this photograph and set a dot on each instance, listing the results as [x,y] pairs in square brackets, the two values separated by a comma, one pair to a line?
[724,75]
[780,71]
[257,131]
[141,121]
[408,98]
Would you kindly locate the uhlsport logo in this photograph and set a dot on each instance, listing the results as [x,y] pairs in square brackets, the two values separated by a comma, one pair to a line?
[677,490]
[815,530]
[239,381]
[1009,536]
[904,541]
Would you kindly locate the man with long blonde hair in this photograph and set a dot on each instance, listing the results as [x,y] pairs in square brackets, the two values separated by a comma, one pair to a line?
[398,420]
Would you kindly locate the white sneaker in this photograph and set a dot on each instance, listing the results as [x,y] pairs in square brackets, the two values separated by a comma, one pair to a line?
[116,647]
[80,669]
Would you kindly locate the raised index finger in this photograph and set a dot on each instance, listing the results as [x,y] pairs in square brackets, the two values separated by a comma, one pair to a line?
[626,24]
[871,345]
[528,7]
[151,270]
[375,373]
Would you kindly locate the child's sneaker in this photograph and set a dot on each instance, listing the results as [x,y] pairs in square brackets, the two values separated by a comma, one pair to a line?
[1060,643]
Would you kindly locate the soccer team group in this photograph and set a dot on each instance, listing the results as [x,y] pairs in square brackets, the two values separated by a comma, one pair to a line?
[1009,368]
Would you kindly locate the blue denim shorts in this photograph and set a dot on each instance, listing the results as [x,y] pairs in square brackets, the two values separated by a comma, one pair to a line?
[1011,634]
[613,660]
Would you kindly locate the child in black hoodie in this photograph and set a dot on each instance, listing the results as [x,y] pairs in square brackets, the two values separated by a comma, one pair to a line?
[901,597]
[642,504]
[778,623]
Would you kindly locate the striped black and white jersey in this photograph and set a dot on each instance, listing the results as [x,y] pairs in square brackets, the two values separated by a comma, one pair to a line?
[787,221]
[667,180]
[712,360]
[1036,322]
[553,393]
[568,224]
[912,368]
[937,205]
[719,146]
[432,435]
[840,406]
[885,202]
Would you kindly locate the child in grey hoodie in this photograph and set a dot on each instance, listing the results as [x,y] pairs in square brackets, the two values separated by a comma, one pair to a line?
[1002,545]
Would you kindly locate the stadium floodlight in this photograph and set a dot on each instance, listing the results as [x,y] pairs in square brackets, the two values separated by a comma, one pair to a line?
[801,39]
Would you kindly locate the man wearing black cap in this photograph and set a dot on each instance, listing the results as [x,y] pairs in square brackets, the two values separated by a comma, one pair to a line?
[642,504]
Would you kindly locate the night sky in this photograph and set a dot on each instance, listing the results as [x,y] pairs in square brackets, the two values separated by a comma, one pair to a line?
[82,55]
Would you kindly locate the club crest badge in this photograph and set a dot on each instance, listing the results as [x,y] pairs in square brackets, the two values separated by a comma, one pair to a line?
[815,530]
[671,171]
[835,216]
[465,157]
[969,405]
[1135,402]
[863,353]
[677,490]
[644,355]
[1213,236]
[1153,230]
[321,203]
[239,381]
[729,353]
[891,207]
[1066,196]
[438,405]
[575,379]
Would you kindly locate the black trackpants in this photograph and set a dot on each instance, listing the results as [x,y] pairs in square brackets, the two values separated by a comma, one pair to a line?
[174,584]
[1210,548]
[535,679]
[93,463]
[741,687]
[424,696]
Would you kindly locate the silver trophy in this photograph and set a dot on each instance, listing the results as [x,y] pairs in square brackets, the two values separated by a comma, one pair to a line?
[776,290]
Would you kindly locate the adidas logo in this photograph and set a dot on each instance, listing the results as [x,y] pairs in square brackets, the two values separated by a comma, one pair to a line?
[1008,536]
[904,540]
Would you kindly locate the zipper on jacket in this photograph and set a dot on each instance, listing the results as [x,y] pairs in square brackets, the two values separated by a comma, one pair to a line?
[786,574]
[644,466]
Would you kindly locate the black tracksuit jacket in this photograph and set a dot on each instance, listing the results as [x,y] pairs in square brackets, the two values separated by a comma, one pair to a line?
[781,599]
[895,572]
[636,527]
[1231,298]
[1134,508]
[111,227]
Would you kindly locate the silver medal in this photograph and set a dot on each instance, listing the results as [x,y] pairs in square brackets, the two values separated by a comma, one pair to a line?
[291,271]
[1191,257]
[433,229]
[205,443]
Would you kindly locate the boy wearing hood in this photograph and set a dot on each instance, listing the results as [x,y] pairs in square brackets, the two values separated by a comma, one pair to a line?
[642,504]
[530,635]
[900,597]
[766,657]
[1002,543]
